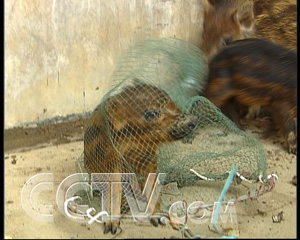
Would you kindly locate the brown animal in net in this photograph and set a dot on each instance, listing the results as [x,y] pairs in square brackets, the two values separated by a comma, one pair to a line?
[125,131]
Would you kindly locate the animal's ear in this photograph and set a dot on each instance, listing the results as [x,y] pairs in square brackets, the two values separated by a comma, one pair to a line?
[244,16]
[212,2]
[208,5]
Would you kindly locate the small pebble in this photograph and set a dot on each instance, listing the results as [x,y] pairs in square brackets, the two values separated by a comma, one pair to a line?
[171,189]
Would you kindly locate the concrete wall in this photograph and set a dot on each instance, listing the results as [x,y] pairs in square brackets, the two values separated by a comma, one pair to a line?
[60,54]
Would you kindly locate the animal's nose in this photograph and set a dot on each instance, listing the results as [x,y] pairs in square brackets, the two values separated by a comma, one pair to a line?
[226,41]
[193,123]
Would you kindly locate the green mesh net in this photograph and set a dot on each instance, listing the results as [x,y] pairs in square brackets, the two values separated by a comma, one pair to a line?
[154,120]
[212,150]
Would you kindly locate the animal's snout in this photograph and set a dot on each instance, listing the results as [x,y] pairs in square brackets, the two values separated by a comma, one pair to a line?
[226,41]
[186,124]
[192,123]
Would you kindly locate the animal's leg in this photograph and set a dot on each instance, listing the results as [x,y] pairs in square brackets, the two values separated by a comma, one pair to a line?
[253,112]
[284,114]
[231,111]
[114,205]
[154,205]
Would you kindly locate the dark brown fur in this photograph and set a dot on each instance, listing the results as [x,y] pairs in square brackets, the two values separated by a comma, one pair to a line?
[254,72]
[276,20]
[124,133]
[229,20]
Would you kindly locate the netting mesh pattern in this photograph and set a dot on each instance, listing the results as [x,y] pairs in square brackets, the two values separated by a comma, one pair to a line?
[176,66]
[152,120]
[213,149]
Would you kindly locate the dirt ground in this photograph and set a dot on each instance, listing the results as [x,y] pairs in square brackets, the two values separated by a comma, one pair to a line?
[55,148]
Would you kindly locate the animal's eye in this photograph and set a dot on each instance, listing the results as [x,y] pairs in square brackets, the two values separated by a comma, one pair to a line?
[151,114]
[225,41]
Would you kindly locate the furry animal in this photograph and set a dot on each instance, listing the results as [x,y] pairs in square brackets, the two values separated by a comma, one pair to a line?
[256,72]
[124,133]
[225,21]
[276,21]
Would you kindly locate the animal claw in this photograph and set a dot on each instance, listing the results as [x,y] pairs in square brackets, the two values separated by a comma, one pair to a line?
[107,228]
[111,227]
[154,221]
[292,150]
[114,230]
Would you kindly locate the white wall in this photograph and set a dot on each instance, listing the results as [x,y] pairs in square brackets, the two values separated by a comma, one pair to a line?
[58,52]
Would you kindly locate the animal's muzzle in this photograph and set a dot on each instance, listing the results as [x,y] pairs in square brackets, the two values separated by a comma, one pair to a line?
[184,126]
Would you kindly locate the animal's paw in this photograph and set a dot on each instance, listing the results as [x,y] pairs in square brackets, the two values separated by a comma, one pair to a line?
[155,221]
[292,143]
[293,149]
[111,227]
[253,112]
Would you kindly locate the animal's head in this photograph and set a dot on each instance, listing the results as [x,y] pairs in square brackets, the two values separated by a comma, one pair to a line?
[225,21]
[144,109]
